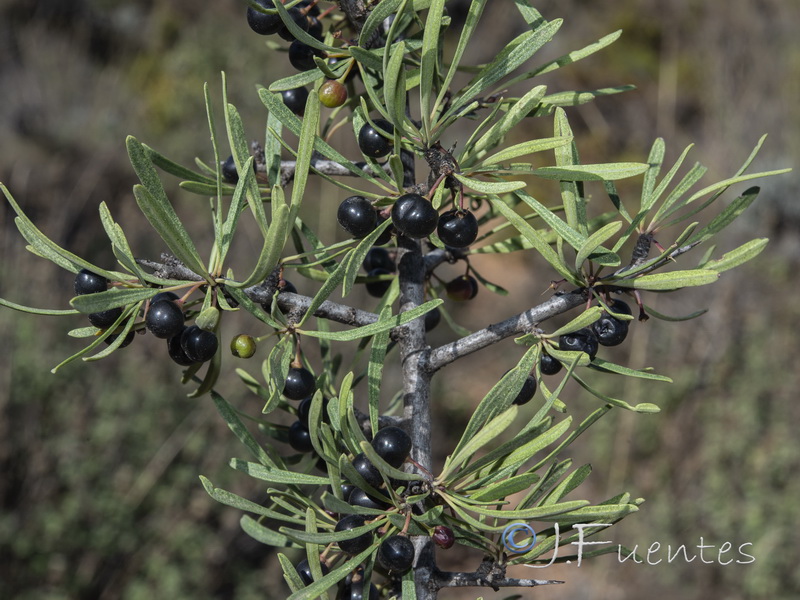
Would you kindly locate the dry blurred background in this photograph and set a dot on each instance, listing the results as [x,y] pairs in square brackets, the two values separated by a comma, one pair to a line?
[99,495]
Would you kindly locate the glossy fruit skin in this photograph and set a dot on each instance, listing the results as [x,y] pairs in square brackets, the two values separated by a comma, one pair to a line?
[87,282]
[367,470]
[332,94]
[288,286]
[198,344]
[300,19]
[171,296]
[315,28]
[527,392]
[164,319]
[371,142]
[126,342]
[300,383]
[432,319]
[355,591]
[302,56]
[300,438]
[304,571]
[360,498]
[396,554]
[175,350]
[609,330]
[356,544]
[377,289]
[262,23]
[379,258]
[443,537]
[414,216]
[106,318]
[462,288]
[357,216]
[457,228]
[229,172]
[582,340]
[243,346]
[295,100]
[549,365]
[393,445]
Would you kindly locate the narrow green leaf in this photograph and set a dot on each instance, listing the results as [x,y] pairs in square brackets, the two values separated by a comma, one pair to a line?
[610,367]
[166,223]
[356,258]
[295,81]
[654,161]
[674,280]
[274,475]
[486,434]
[739,256]
[562,229]
[470,24]
[584,319]
[264,535]
[727,216]
[274,242]
[308,134]
[37,311]
[394,91]
[375,18]
[594,241]
[507,122]
[642,407]
[535,239]
[663,317]
[429,64]
[173,168]
[599,172]
[505,488]
[378,326]
[91,303]
[524,148]
[515,53]
[235,424]
[235,209]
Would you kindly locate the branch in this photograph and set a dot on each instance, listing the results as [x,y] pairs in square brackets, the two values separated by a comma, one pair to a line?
[522,323]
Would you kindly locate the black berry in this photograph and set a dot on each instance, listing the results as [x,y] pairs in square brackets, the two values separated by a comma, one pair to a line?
[300,438]
[332,94]
[432,319]
[229,172]
[367,470]
[198,344]
[414,216]
[549,365]
[396,554]
[287,286]
[304,571]
[356,544]
[105,318]
[171,296]
[377,289]
[304,410]
[176,352]
[300,383]
[360,498]
[302,56]
[263,23]
[393,445]
[164,319]
[126,342]
[609,330]
[295,99]
[371,142]
[379,258]
[87,282]
[355,591]
[357,216]
[582,340]
[462,288]
[300,19]
[528,390]
[457,228]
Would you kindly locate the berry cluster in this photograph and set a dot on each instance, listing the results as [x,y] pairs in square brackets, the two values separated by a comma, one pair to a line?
[395,554]
[186,345]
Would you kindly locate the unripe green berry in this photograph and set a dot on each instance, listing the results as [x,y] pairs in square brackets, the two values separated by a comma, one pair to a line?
[243,346]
